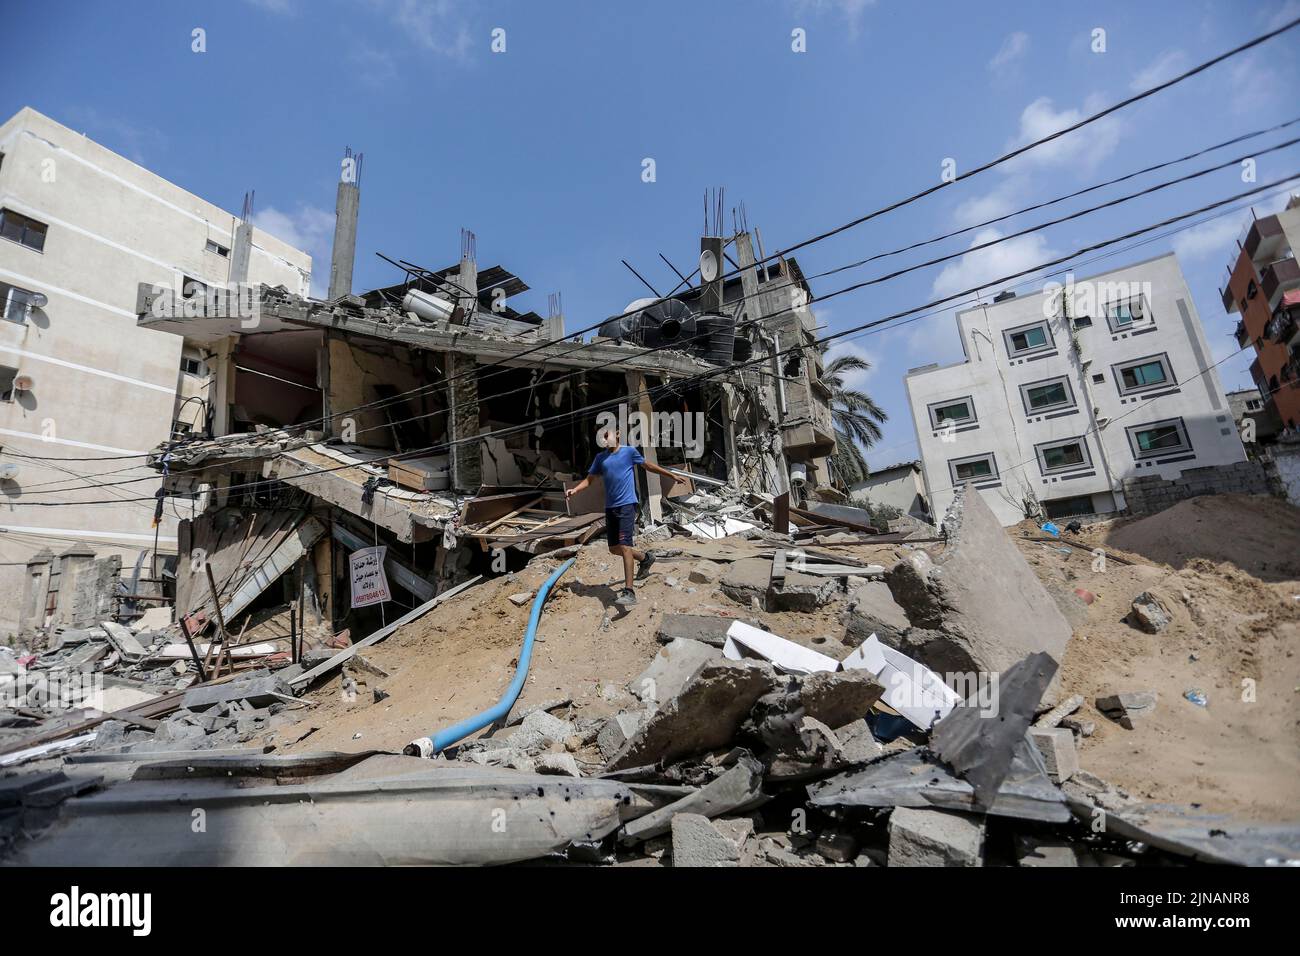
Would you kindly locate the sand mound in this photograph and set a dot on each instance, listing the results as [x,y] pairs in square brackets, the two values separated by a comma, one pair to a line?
[1258,535]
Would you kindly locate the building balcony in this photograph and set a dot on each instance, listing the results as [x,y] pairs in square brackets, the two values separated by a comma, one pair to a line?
[1242,336]
[1229,300]
[1282,327]
[1263,239]
[1278,277]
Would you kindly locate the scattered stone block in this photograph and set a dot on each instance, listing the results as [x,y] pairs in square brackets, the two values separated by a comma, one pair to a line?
[559,764]
[873,610]
[978,606]
[549,727]
[669,672]
[519,600]
[935,838]
[706,628]
[1127,707]
[697,842]
[1149,613]
[703,716]
[705,572]
[1060,712]
[617,731]
[836,846]
[1056,745]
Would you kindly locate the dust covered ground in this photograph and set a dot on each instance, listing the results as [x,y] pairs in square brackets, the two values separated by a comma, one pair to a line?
[1227,567]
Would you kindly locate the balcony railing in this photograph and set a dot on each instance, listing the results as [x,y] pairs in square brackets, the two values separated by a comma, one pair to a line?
[1281,327]
[1279,276]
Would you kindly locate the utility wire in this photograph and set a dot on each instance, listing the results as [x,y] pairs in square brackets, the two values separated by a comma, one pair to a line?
[577,414]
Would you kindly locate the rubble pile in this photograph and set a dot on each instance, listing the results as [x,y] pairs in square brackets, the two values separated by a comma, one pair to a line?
[733,746]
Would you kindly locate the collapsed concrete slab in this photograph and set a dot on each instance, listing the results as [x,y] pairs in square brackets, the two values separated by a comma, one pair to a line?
[738,790]
[977,606]
[672,667]
[873,610]
[260,692]
[917,778]
[385,810]
[703,716]
[935,838]
[697,842]
[705,628]
[748,581]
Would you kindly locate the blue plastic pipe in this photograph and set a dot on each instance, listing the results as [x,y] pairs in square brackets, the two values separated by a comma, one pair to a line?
[436,743]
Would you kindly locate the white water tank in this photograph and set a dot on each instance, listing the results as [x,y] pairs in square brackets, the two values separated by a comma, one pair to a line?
[798,473]
[431,308]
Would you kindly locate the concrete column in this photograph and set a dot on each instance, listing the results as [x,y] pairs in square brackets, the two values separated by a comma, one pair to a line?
[347,206]
[462,421]
[36,591]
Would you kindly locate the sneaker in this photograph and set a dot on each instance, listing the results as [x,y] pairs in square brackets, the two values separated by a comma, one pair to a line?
[643,566]
[626,597]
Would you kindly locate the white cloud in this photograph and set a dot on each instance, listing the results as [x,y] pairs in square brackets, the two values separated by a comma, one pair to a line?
[280,7]
[1213,238]
[310,229]
[1082,150]
[1013,47]
[851,10]
[1165,67]
[438,26]
[1284,14]
[999,201]
[985,265]
[136,141]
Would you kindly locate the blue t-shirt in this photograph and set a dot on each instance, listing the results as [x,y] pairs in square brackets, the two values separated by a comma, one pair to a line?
[618,469]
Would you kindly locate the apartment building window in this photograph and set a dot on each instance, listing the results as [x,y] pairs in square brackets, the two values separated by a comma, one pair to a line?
[7,376]
[22,229]
[1050,395]
[192,366]
[219,249]
[1058,456]
[15,302]
[1083,322]
[1123,315]
[975,468]
[959,412]
[1069,507]
[1158,438]
[1254,404]
[1027,339]
[1153,371]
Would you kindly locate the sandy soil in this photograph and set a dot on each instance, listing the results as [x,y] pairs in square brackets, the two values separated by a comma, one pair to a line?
[1227,567]
[458,661]
[1233,636]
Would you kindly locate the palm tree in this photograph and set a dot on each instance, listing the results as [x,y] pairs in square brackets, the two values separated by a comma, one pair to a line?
[856,416]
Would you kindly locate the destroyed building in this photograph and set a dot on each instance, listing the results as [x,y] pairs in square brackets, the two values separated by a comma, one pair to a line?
[434,419]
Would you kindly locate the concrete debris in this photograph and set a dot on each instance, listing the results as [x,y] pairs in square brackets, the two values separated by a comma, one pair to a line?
[705,572]
[1056,745]
[1149,613]
[694,627]
[618,730]
[1127,707]
[519,600]
[873,610]
[935,838]
[672,667]
[980,738]
[1058,713]
[697,842]
[977,606]
[737,790]
[743,641]
[704,715]
[258,692]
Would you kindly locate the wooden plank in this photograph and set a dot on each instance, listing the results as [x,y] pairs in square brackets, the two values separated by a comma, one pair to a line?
[302,680]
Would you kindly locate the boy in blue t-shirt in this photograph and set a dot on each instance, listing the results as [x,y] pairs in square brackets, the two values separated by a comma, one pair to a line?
[617,466]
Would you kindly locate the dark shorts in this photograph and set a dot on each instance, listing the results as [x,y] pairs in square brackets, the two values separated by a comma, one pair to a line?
[620,523]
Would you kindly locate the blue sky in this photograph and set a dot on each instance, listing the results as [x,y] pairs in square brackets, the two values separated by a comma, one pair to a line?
[539,149]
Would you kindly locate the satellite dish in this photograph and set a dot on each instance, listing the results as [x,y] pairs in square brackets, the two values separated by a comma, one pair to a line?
[708,265]
[37,300]
[23,383]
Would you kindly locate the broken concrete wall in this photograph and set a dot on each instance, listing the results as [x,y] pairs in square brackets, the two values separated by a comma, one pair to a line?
[977,605]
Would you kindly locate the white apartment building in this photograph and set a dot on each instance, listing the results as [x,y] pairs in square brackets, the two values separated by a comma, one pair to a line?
[1065,394]
[82,386]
